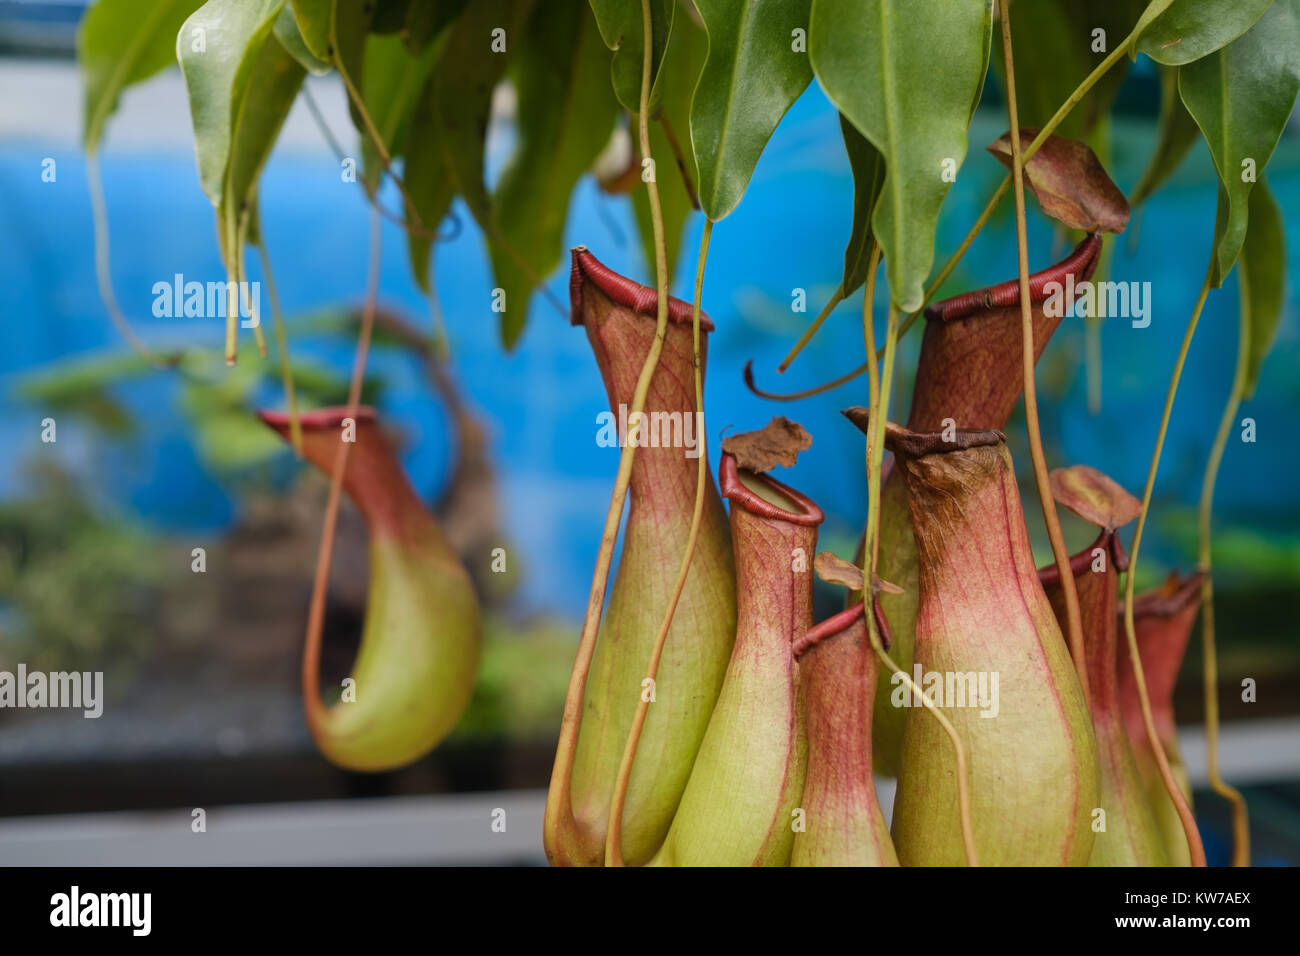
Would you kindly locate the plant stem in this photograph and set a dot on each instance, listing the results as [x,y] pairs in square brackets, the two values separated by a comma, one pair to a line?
[809,332]
[103,271]
[282,345]
[1240,818]
[354,96]
[614,835]
[422,232]
[558,806]
[1194,845]
[1074,621]
[320,585]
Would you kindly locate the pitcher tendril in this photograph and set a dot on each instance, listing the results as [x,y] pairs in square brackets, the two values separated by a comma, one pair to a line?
[1194,845]
[1050,518]
[557,800]
[1205,514]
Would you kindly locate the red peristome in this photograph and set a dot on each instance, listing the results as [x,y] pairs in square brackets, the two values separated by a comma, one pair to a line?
[623,291]
[734,489]
[828,628]
[1082,262]
[374,478]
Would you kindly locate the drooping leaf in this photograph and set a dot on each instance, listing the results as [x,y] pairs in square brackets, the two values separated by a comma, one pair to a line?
[1069,182]
[566,110]
[444,151]
[290,37]
[1178,134]
[120,43]
[313,19]
[687,48]
[1262,279]
[757,67]
[391,81]
[1241,97]
[1191,29]
[218,46]
[905,75]
[273,83]
[868,176]
[425,19]
[623,31]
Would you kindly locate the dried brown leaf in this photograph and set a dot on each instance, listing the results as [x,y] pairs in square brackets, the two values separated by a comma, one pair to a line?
[1069,182]
[778,443]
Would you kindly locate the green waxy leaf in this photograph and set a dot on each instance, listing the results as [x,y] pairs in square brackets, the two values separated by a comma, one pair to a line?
[427,18]
[313,19]
[120,43]
[391,82]
[444,150]
[1191,29]
[566,111]
[687,48]
[623,31]
[868,176]
[290,37]
[1178,134]
[757,67]
[1262,279]
[273,84]
[218,46]
[876,60]
[1241,97]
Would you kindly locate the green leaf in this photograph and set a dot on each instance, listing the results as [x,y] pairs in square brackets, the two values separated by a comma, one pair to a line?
[313,19]
[119,43]
[216,63]
[273,85]
[622,29]
[687,48]
[427,18]
[756,69]
[1178,134]
[1191,29]
[1262,279]
[879,62]
[1241,97]
[290,37]
[566,111]
[390,87]
[444,150]
[868,176]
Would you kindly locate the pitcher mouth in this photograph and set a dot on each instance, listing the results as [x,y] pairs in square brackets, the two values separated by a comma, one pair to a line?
[623,291]
[320,418]
[910,444]
[1081,263]
[736,488]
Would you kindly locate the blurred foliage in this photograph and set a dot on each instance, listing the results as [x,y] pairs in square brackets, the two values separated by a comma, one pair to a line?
[521,685]
[218,402]
[75,586]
